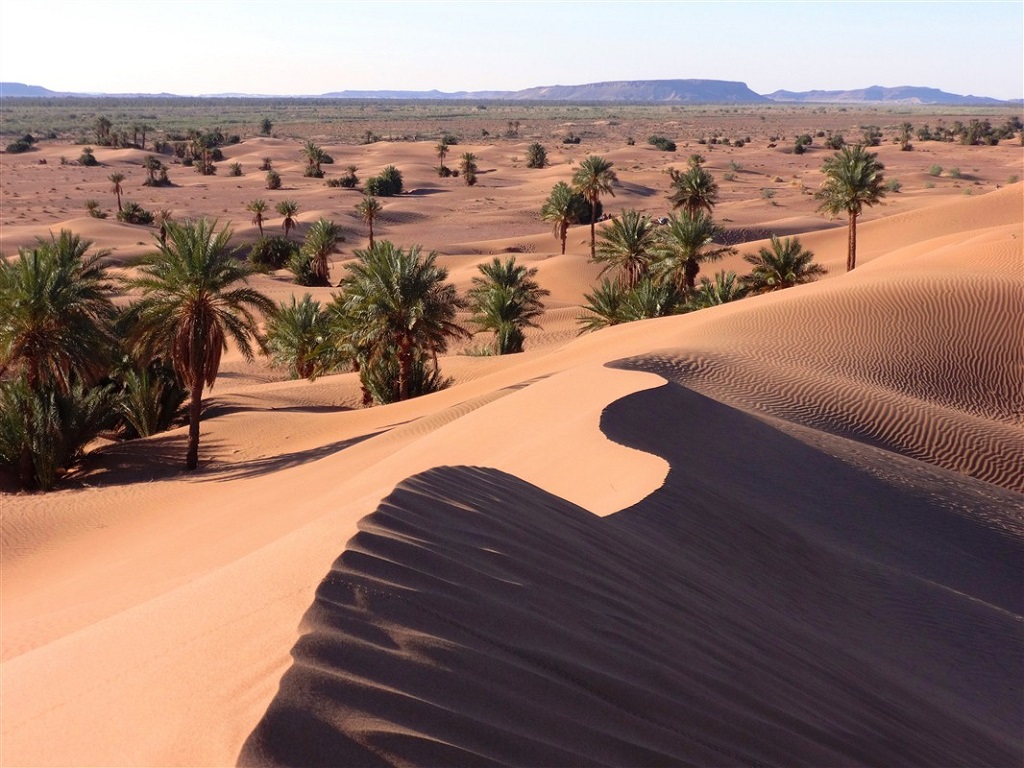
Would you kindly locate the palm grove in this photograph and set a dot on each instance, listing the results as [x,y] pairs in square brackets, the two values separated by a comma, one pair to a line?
[74,365]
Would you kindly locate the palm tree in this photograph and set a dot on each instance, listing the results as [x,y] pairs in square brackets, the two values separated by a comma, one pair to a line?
[322,239]
[116,179]
[592,179]
[536,155]
[693,190]
[403,306]
[626,246]
[906,134]
[686,243]
[163,216]
[853,179]
[55,339]
[724,288]
[194,298]
[505,300]
[442,151]
[314,156]
[369,208]
[467,165]
[257,208]
[56,322]
[783,265]
[288,209]
[153,166]
[603,307]
[560,210]
[296,335]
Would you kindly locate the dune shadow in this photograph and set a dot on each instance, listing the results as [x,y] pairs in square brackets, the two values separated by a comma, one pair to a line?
[133,461]
[771,604]
[277,462]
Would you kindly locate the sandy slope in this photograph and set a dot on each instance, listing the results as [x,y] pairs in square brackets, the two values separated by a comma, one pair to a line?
[787,530]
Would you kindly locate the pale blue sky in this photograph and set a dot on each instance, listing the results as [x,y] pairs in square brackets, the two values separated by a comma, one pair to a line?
[308,47]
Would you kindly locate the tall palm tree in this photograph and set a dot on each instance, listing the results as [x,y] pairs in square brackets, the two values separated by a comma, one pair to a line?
[195,298]
[116,179]
[593,178]
[401,301]
[295,337]
[686,243]
[505,299]
[783,265]
[322,239]
[257,208]
[288,209]
[693,190]
[369,208]
[55,339]
[560,210]
[626,246]
[853,179]
[442,151]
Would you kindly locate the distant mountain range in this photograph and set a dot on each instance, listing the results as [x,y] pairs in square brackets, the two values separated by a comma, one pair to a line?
[641,91]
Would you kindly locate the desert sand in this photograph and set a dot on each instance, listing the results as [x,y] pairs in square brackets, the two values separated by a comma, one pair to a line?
[787,530]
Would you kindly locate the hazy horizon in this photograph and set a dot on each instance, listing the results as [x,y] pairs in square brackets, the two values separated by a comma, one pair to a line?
[310,47]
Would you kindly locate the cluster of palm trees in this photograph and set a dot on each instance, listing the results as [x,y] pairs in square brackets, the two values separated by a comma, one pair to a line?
[654,266]
[74,366]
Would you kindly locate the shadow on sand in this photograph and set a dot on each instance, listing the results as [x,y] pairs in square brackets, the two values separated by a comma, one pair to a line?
[771,604]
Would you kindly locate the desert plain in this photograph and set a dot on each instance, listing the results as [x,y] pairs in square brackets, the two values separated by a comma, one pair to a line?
[787,530]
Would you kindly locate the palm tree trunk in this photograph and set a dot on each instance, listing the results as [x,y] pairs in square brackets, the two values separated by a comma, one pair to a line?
[851,248]
[593,231]
[564,235]
[195,409]
[404,367]
[371,233]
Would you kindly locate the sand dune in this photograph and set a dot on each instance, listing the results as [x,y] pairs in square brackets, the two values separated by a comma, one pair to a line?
[783,531]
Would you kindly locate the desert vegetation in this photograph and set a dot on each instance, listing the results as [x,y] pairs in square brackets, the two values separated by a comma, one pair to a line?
[652,256]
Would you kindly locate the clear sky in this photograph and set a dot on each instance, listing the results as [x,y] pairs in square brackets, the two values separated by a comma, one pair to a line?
[309,47]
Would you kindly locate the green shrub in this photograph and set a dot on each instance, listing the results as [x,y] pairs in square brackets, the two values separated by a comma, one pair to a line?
[273,180]
[385,184]
[835,141]
[572,138]
[662,143]
[53,427]
[301,265]
[149,399]
[893,185]
[93,207]
[267,164]
[87,158]
[935,170]
[536,156]
[133,213]
[235,169]
[1013,179]
[270,253]
[17,147]
[954,173]
[348,179]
